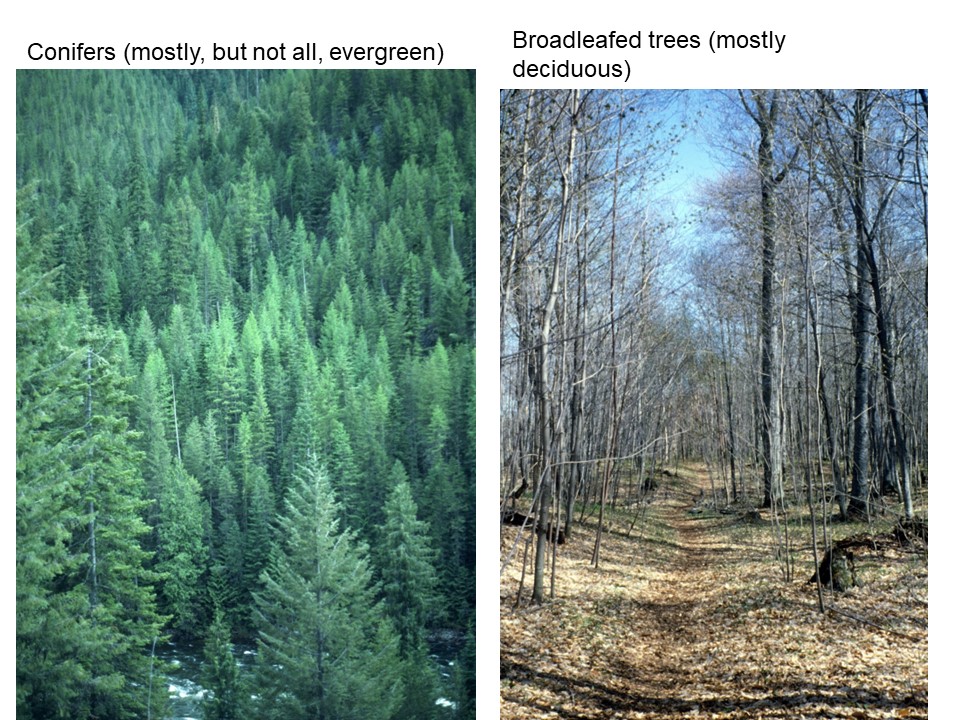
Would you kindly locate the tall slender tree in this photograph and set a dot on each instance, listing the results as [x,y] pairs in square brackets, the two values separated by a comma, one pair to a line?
[764,108]
[326,647]
[86,610]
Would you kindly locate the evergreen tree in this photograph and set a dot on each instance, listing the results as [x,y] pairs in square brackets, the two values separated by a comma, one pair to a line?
[258,509]
[224,375]
[465,675]
[326,648]
[181,556]
[443,497]
[450,301]
[101,283]
[409,589]
[421,683]
[448,216]
[213,282]
[407,566]
[154,414]
[226,699]
[139,197]
[177,233]
[180,341]
[85,602]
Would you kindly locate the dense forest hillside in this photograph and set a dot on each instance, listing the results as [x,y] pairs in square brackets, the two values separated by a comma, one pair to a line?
[245,389]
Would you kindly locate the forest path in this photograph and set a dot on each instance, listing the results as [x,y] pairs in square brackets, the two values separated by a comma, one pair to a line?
[688,616]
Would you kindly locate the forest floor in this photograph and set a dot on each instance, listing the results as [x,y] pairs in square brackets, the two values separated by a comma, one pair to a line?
[689,615]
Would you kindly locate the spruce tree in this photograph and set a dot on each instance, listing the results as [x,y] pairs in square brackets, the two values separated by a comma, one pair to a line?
[181,557]
[407,561]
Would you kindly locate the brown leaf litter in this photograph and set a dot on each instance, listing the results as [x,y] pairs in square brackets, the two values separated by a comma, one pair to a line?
[689,616]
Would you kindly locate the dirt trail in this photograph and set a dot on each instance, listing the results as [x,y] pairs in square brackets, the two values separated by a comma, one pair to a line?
[691,620]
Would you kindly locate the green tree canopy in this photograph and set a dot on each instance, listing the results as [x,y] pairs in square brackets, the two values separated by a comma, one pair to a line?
[326,646]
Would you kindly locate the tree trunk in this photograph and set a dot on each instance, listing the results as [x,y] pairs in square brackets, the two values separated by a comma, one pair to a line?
[859,501]
[764,114]
[91,508]
[543,470]
[731,434]
[869,277]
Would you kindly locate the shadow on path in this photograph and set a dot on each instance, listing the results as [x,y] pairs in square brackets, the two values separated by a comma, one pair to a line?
[807,700]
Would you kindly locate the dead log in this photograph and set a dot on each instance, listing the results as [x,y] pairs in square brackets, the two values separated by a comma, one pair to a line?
[519,519]
[911,531]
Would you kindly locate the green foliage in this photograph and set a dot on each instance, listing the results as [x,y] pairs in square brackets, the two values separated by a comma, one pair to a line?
[262,268]
[226,699]
[85,602]
[326,647]
[450,300]
[407,567]
[181,555]
[154,412]
[421,684]
[465,676]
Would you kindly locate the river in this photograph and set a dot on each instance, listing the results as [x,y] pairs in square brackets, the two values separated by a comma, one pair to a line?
[185,693]
[183,686]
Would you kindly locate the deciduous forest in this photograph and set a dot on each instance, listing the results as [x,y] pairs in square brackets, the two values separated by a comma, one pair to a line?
[245,394]
[713,317]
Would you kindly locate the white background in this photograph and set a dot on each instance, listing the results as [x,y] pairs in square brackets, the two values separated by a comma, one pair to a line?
[828,44]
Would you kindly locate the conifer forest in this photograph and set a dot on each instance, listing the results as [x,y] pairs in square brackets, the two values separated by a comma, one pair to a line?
[245,394]
[714,431]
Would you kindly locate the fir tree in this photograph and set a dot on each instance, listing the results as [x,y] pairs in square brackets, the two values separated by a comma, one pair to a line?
[407,566]
[410,591]
[180,553]
[85,601]
[221,676]
[326,648]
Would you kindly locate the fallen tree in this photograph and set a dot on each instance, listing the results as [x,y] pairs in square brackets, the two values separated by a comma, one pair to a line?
[519,519]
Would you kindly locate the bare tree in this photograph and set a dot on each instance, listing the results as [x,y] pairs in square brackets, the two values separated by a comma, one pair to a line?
[764,108]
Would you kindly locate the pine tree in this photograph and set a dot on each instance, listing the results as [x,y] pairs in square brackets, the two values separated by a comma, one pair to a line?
[225,380]
[257,513]
[101,283]
[180,343]
[177,244]
[410,587]
[448,217]
[450,302]
[212,279]
[154,415]
[407,566]
[465,675]
[421,683]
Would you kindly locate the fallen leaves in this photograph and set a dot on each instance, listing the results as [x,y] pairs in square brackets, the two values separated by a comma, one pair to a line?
[692,621]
